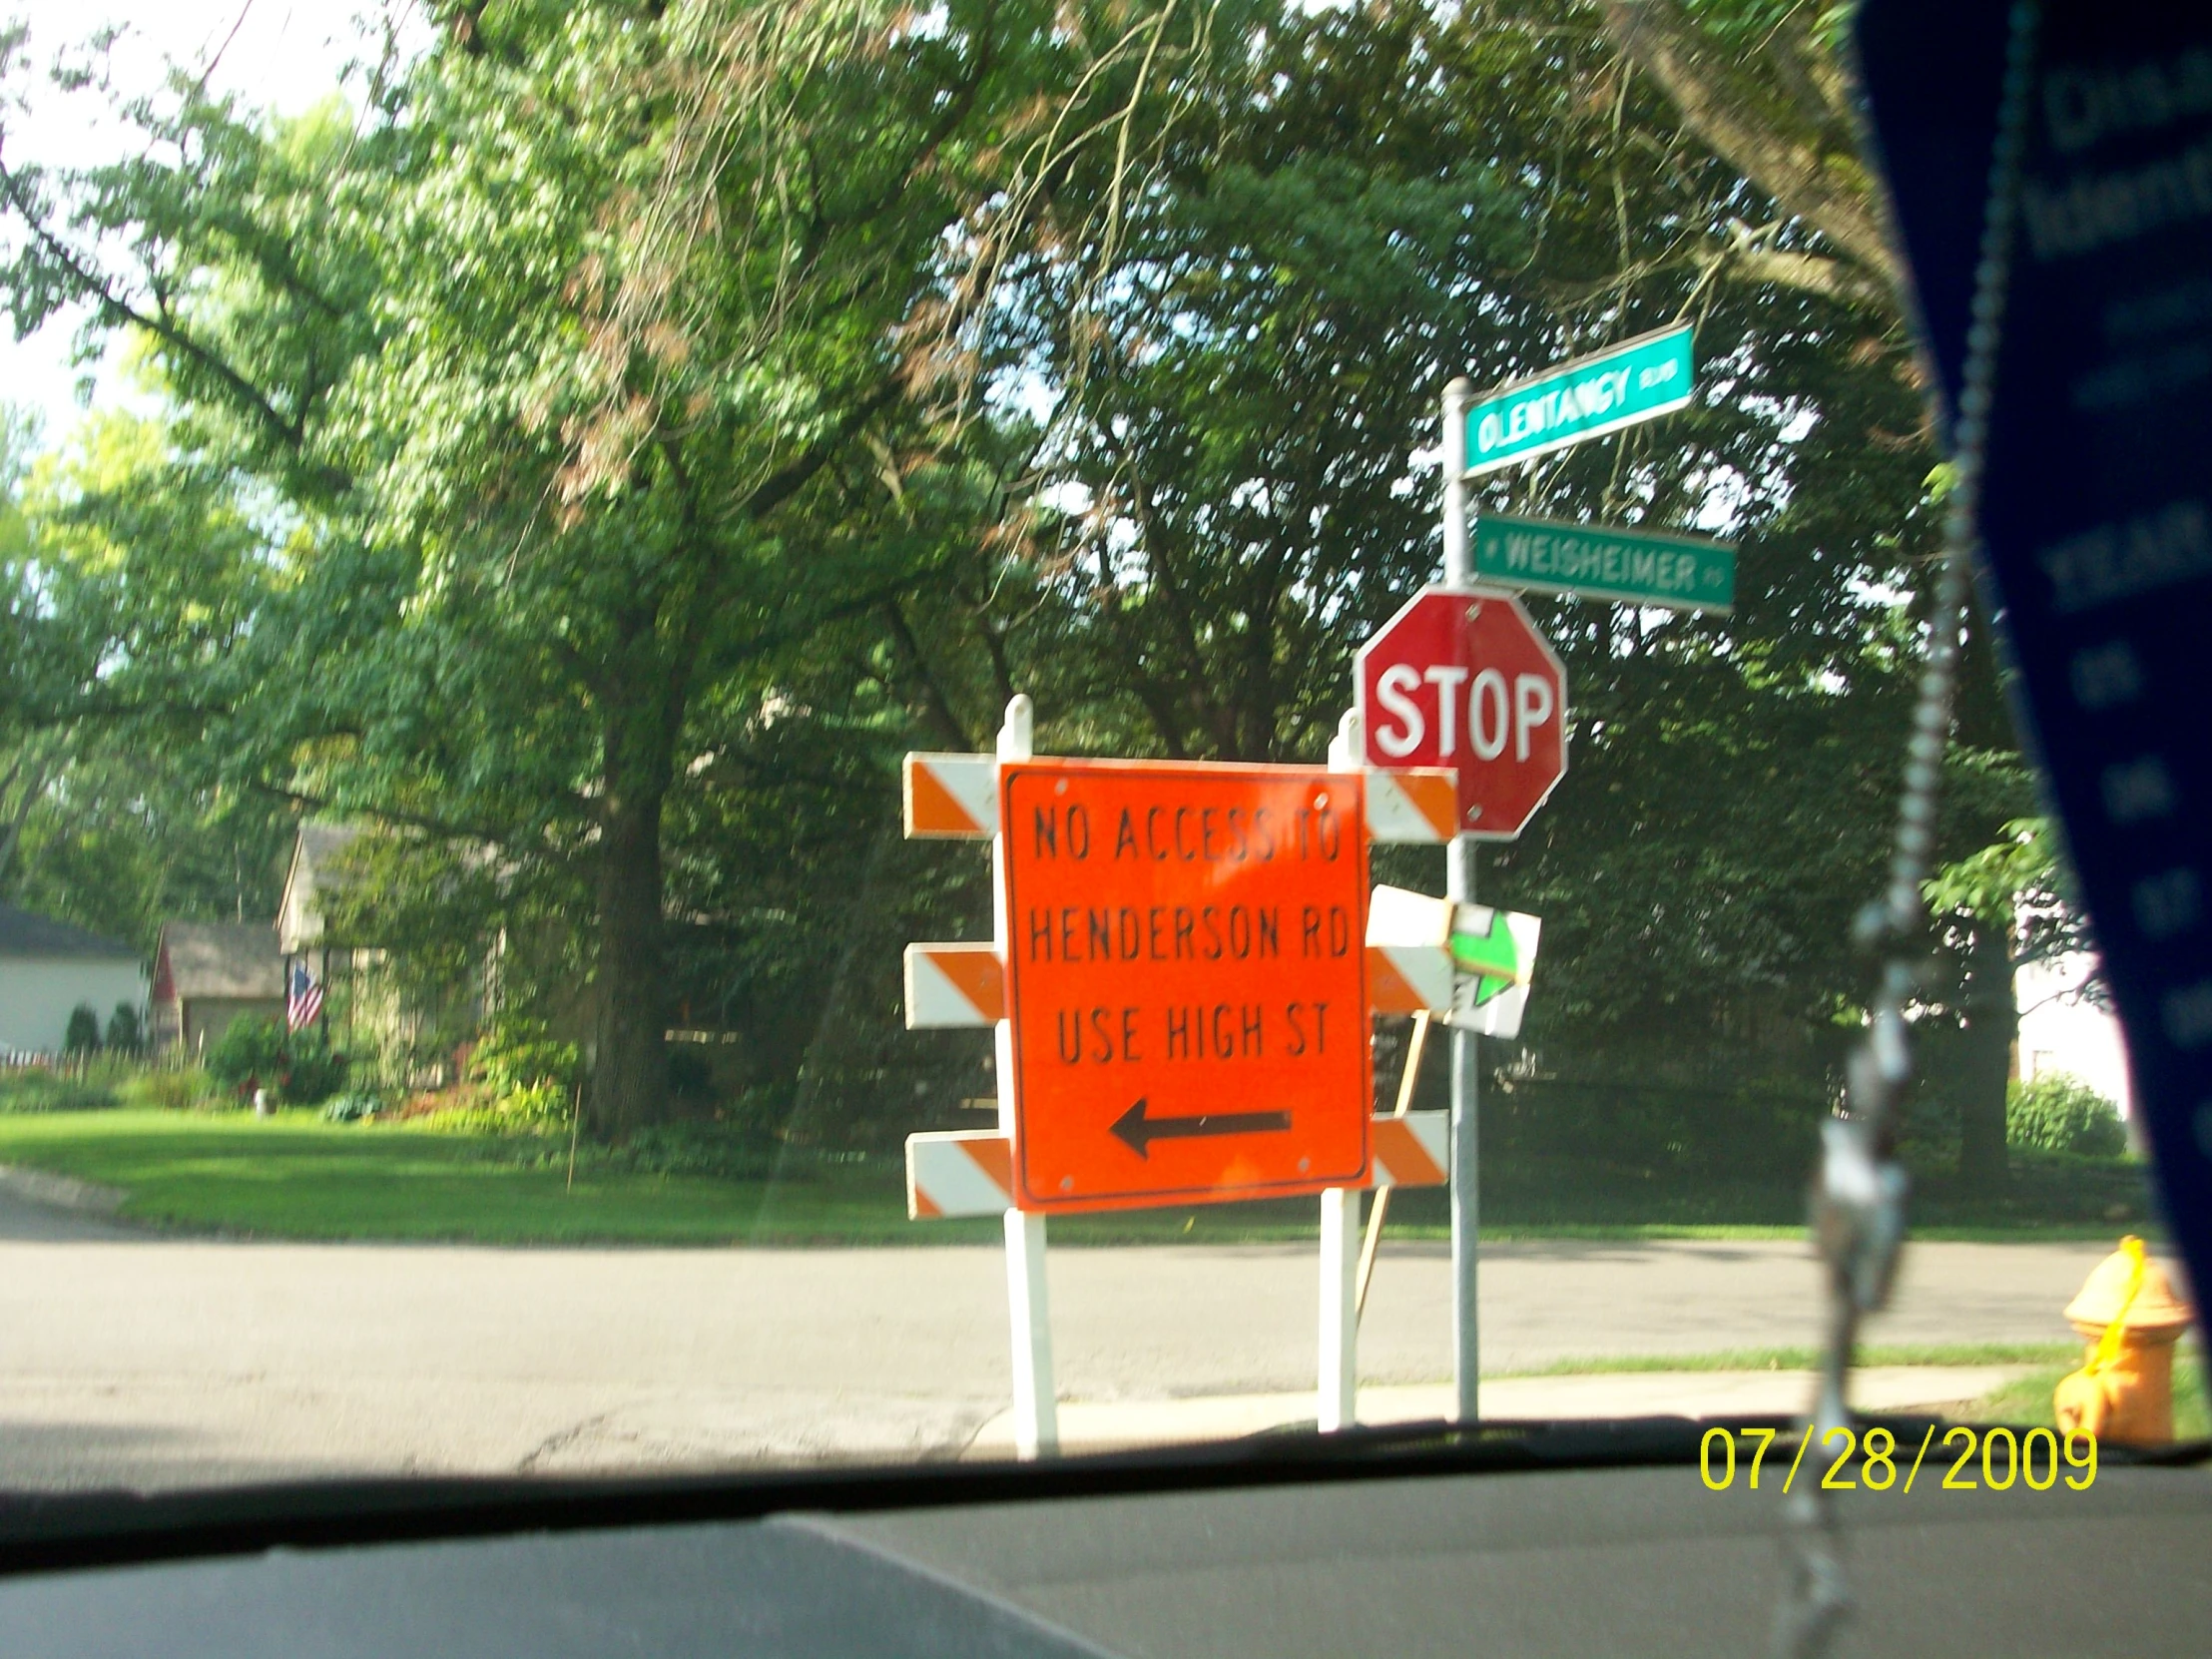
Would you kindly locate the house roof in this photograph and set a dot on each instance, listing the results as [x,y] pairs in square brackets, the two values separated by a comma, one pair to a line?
[299,922]
[223,958]
[25,934]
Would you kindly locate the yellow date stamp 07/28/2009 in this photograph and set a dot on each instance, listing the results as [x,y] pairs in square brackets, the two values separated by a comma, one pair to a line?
[1971,1458]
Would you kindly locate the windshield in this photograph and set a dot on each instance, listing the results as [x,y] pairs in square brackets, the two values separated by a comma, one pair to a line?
[736,735]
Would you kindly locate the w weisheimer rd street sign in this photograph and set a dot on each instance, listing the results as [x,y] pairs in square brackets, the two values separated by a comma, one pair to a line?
[1642,567]
[1587,398]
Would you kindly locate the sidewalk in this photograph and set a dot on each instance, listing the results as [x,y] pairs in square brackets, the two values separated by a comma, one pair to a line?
[1087,1426]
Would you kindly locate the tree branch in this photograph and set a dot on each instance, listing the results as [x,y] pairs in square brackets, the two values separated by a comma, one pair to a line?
[791,477]
[94,288]
[410,820]
[932,693]
[1799,169]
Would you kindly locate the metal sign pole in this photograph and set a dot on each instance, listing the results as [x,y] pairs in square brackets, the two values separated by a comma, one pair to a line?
[1460,886]
[1029,1310]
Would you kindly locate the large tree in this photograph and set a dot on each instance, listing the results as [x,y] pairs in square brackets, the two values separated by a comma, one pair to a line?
[552,354]
[673,413]
[1765,85]
[1393,196]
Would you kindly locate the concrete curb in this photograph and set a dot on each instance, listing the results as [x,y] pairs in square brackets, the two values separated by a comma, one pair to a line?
[61,1192]
[1715,1396]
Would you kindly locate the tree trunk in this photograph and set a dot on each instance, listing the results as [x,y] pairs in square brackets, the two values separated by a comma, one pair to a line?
[629,1071]
[1991,1018]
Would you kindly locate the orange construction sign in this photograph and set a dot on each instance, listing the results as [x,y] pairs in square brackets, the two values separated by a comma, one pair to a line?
[1186,980]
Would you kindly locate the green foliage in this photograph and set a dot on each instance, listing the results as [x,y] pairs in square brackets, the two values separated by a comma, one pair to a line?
[42,1089]
[82,1035]
[2060,1113]
[430,911]
[594,457]
[299,1068]
[1986,883]
[313,1070]
[110,1079]
[172,1089]
[126,1034]
[518,1052]
[135,577]
[249,1054]
[530,1076]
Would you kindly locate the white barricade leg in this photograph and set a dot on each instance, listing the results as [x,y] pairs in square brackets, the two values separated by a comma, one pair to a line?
[1338,1401]
[1036,1407]
[1029,1308]
[1336,1398]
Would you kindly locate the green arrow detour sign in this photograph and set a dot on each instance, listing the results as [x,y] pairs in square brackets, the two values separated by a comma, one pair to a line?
[1471,963]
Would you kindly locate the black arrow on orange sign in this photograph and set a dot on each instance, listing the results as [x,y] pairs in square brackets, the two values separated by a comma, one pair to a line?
[1138,1131]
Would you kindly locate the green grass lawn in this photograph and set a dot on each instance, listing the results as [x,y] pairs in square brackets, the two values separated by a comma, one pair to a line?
[1805,1359]
[295,1175]
[2027,1402]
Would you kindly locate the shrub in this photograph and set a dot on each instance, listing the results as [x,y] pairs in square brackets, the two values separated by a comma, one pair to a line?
[40,1089]
[250,1052]
[126,1035]
[82,1035]
[313,1071]
[527,1077]
[693,1149]
[302,1068]
[2058,1113]
[472,1109]
[356,1106]
[183,1090]
[519,1053]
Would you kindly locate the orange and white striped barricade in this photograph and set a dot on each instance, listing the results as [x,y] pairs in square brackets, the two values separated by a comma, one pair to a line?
[951,797]
[1469,964]
[974,1172]
[969,1172]
[950,986]
[1415,805]
[955,798]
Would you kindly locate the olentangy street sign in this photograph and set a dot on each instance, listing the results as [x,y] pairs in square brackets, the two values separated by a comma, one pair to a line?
[1185,981]
[1587,398]
[1639,567]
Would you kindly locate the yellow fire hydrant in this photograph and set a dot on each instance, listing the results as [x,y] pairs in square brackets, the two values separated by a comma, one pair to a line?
[2125,1392]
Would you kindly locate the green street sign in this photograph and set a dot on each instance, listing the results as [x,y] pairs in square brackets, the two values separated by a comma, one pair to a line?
[1643,567]
[1619,386]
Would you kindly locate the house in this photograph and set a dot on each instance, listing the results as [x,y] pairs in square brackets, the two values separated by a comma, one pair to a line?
[2063,1029]
[48,968]
[403,1029]
[209,973]
[399,1030]
[316,871]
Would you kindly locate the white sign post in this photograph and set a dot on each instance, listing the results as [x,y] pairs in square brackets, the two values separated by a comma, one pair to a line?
[1036,1404]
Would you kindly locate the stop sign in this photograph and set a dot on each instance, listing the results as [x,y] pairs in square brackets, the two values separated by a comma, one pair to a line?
[1460,678]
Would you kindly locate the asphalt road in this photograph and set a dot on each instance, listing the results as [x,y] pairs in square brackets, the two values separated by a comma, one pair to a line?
[128,1359]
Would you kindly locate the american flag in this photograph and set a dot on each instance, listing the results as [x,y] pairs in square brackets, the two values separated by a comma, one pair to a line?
[306,1001]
